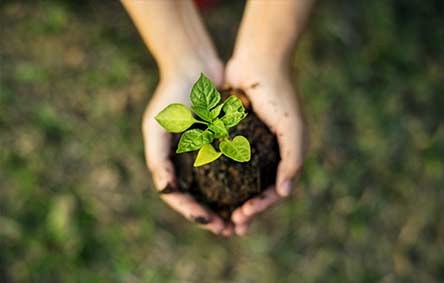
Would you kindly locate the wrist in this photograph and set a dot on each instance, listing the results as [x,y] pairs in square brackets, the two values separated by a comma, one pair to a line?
[259,63]
[188,68]
[263,56]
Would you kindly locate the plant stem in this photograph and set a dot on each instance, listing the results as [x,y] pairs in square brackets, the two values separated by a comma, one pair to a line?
[200,122]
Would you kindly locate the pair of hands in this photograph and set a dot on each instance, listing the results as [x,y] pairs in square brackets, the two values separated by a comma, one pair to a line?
[268,86]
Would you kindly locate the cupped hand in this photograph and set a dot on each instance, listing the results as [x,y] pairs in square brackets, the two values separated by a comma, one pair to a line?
[175,88]
[269,88]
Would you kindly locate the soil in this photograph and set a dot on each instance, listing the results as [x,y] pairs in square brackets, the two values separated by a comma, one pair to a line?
[224,184]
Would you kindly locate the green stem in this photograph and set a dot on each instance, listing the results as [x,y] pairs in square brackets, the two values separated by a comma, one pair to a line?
[200,122]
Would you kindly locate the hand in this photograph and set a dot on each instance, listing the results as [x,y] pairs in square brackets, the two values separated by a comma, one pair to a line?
[175,87]
[174,33]
[268,86]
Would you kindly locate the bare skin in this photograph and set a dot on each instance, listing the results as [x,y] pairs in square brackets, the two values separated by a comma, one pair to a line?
[175,35]
[265,43]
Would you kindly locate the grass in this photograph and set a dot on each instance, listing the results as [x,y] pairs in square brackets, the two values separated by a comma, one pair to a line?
[77,204]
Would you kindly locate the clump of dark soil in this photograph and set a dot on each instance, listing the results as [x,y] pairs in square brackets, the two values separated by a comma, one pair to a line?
[224,184]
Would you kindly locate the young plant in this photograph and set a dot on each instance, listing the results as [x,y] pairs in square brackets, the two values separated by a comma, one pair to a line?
[205,98]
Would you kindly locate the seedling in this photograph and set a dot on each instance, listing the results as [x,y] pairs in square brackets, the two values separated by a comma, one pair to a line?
[205,98]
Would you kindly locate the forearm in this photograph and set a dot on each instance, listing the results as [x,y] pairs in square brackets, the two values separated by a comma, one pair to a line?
[270,29]
[173,32]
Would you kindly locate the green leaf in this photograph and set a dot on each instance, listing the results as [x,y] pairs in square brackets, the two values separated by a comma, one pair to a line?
[216,111]
[218,128]
[233,104]
[234,112]
[206,155]
[233,118]
[193,140]
[204,93]
[202,112]
[175,118]
[205,114]
[238,149]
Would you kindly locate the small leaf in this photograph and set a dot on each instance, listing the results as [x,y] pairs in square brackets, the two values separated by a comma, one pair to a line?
[216,111]
[204,93]
[206,155]
[233,104]
[234,111]
[233,118]
[175,118]
[238,149]
[202,112]
[218,128]
[193,140]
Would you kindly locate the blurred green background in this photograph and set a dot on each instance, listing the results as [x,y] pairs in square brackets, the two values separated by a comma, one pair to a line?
[76,203]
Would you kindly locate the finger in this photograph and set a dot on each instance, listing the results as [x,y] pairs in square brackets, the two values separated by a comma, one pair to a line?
[163,175]
[228,230]
[260,203]
[193,211]
[157,142]
[238,216]
[242,229]
[157,149]
[256,205]
[287,177]
[245,214]
[292,148]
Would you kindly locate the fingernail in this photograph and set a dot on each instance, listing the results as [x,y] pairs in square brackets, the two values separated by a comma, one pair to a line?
[286,187]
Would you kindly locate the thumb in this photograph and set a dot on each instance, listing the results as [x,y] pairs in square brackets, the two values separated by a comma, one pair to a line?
[163,174]
[292,147]
[157,148]
[287,178]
